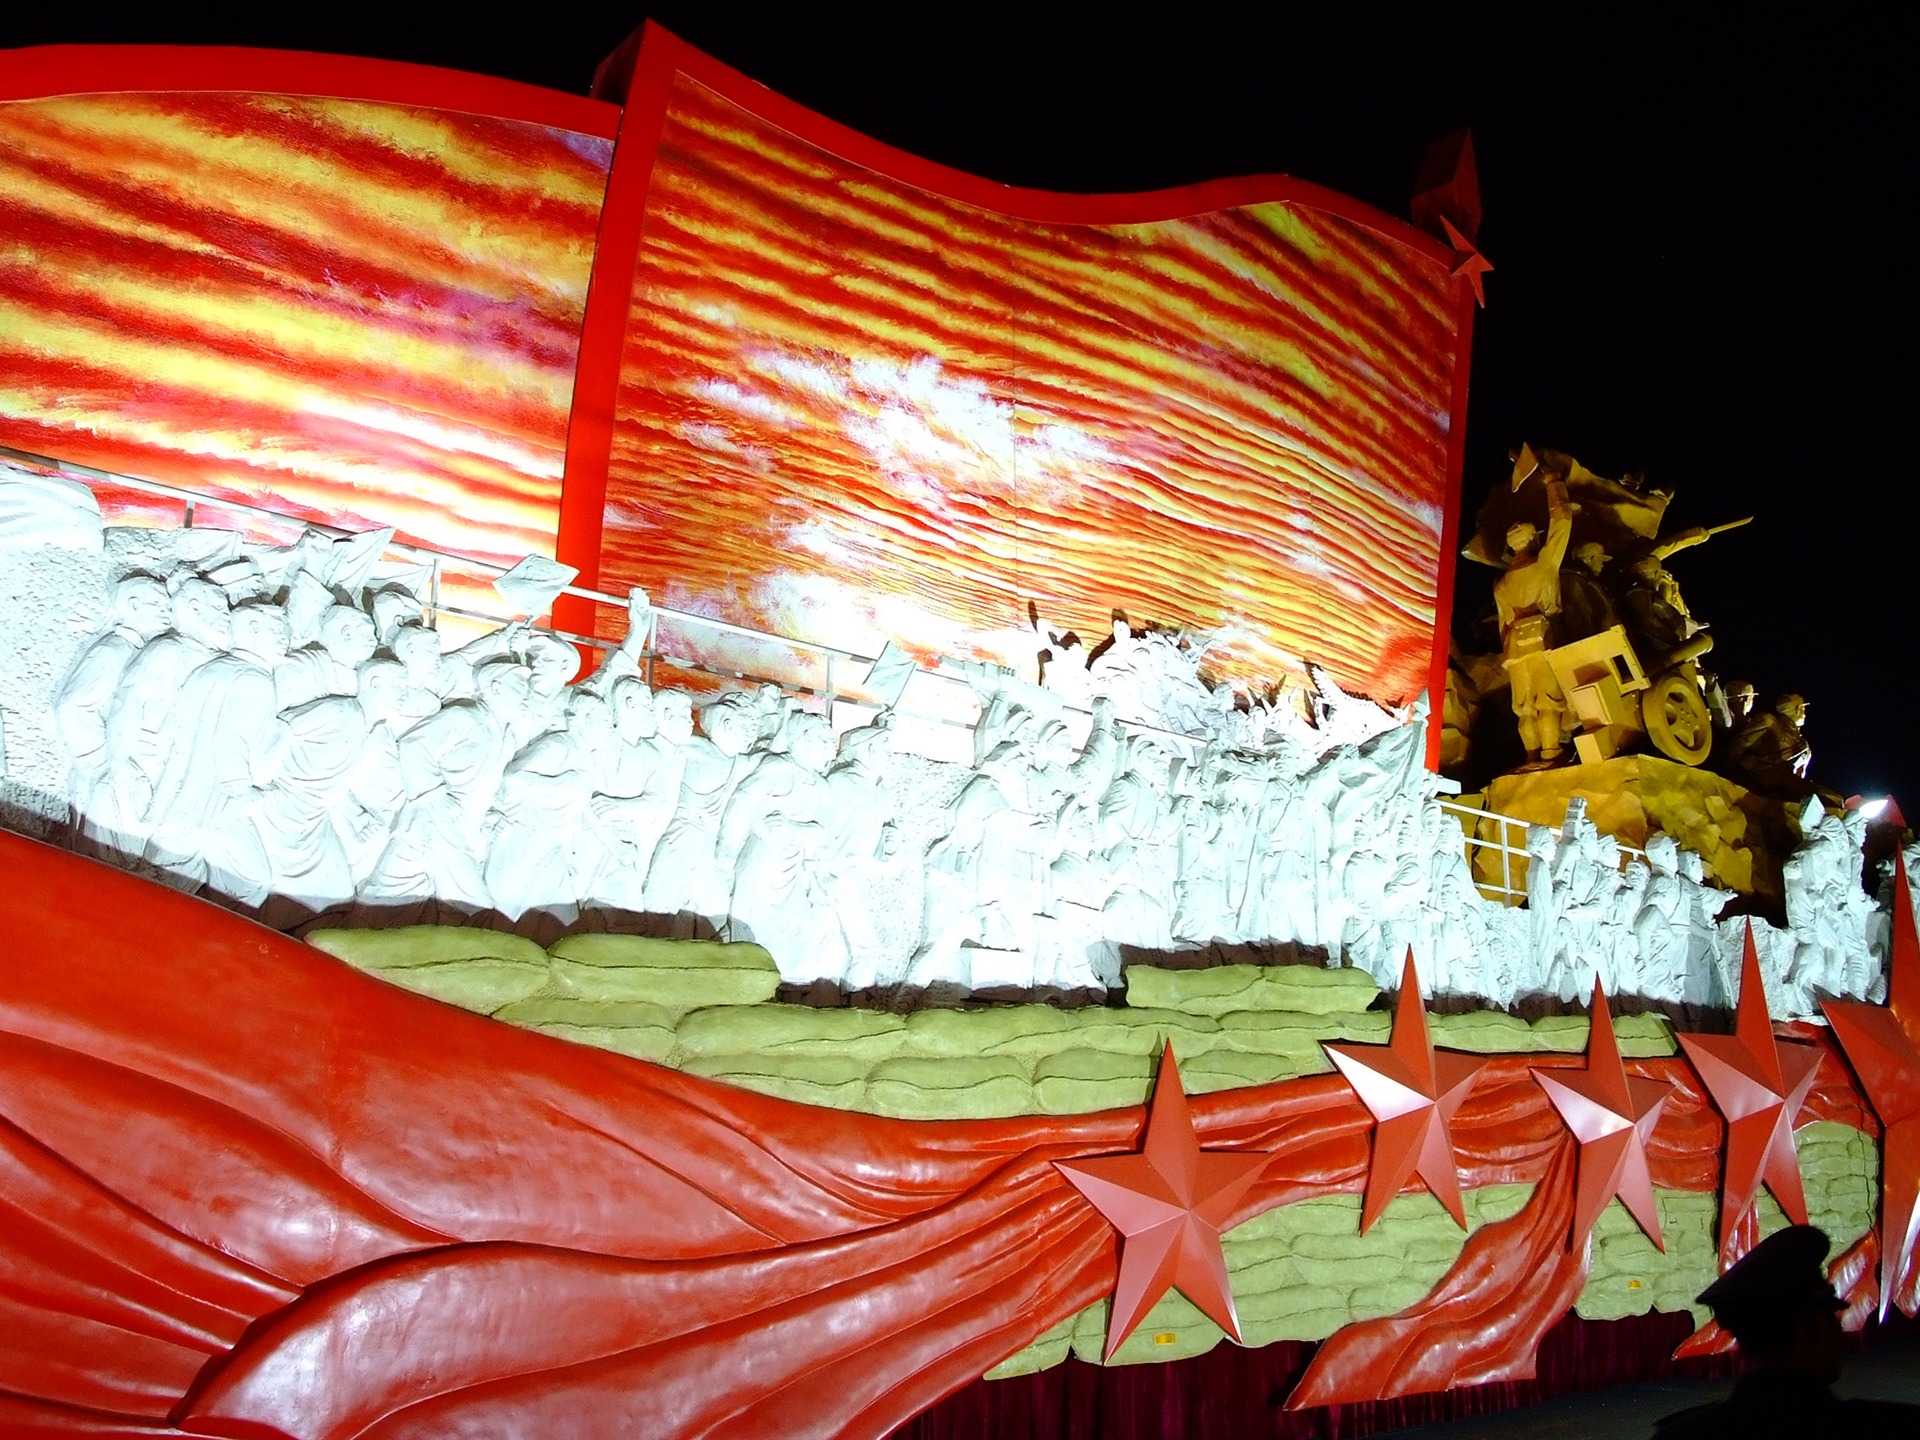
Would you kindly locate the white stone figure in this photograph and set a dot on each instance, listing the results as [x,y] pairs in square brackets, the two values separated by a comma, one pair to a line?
[989,873]
[452,764]
[1829,913]
[1201,913]
[1344,719]
[685,880]
[137,723]
[859,825]
[624,660]
[638,791]
[142,611]
[1710,979]
[344,640]
[552,663]
[375,789]
[394,607]
[433,679]
[316,747]
[543,850]
[1585,874]
[220,753]
[1660,929]
[772,836]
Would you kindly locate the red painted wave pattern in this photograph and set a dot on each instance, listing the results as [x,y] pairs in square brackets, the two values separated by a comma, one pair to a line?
[852,410]
[364,313]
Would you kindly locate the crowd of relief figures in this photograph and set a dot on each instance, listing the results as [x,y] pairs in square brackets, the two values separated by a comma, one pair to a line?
[280,728]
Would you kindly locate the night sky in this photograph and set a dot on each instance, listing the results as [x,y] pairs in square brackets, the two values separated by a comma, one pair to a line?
[1701,235]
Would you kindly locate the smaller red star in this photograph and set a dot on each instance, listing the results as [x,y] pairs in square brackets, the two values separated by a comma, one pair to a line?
[1467,261]
[1883,1046]
[1412,1093]
[1759,1085]
[1169,1203]
[1612,1116]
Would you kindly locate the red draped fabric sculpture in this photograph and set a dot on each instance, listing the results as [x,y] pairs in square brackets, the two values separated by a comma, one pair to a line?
[251,1192]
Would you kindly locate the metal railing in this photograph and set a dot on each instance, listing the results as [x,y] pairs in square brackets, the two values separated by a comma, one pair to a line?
[1508,841]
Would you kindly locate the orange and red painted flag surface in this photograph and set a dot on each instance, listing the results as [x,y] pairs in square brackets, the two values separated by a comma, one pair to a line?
[357,312]
[852,410]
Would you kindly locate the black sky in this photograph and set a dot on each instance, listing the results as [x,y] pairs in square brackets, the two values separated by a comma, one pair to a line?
[1702,226]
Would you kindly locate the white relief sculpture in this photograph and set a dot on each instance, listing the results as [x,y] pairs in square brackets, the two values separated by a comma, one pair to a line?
[639,789]
[685,880]
[218,743]
[142,611]
[771,841]
[282,726]
[138,729]
[452,764]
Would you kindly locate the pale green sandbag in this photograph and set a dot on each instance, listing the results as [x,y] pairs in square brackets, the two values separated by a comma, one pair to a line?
[866,1036]
[1015,1030]
[482,985]
[1268,1032]
[1045,1352]
[1235,1069]
[626,951]
[1637,1035]
[828,1080]
[1307,989]
[1079,1082]
[410,945]
[571,1010]
[641,1042]
[709,977]
[954,1088]
[1132,1031]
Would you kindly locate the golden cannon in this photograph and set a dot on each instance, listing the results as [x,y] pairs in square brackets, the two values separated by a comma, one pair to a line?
[1615,702]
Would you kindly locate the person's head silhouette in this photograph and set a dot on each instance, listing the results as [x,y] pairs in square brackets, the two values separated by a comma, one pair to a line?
[1776,1302]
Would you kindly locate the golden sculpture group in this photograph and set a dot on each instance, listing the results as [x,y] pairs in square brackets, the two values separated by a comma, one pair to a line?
[1597,645]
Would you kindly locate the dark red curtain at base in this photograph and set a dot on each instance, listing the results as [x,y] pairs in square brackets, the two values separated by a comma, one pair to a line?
[1240,1393]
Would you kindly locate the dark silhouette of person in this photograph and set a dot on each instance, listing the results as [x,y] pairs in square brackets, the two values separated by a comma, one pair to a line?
[1778,1306]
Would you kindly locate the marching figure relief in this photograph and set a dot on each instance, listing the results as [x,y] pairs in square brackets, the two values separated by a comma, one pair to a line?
[282,729]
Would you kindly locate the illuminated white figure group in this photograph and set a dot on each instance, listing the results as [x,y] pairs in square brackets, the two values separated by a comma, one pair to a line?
[279,727]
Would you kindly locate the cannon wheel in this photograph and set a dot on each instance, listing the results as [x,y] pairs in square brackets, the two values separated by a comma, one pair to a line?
[1676,719]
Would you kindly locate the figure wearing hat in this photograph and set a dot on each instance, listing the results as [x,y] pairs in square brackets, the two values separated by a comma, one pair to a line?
[1777,1304]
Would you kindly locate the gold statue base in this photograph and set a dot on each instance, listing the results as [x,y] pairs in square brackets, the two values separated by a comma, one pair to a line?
[1741,837]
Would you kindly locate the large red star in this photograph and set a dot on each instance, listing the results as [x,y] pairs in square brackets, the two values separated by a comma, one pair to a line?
[1612,1117]
[1467,261]
[1758,1085]
[1883,1046]
[1168,1202]
[1413,1094]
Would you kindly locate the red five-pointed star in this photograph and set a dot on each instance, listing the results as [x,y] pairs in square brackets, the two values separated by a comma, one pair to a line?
[1467,261]
[1413,1094]
[1168,1202]
[1612,1117]
[1883,1046]
[1759,1085]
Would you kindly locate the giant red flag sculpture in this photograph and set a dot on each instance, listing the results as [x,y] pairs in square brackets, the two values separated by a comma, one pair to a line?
[1412,1093]
[1169,1203]
[1759,1085]
[1882,1043]
[1613,1117]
